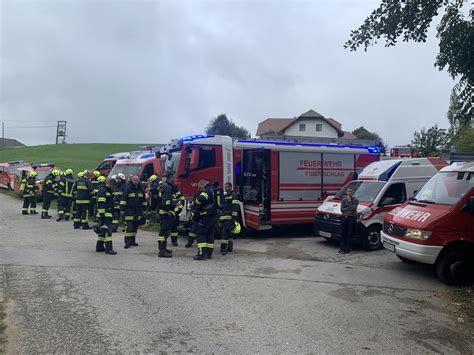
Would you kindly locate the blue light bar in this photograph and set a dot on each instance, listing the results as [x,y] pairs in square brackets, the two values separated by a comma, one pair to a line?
[197,136]
[370,149]
[146,156]
[45,165]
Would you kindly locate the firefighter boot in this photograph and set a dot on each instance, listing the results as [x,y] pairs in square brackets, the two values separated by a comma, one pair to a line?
[133,243]
[162,253]
[166,249]
[190,242]
[109,248]
[86,226]
[33,212]
[201,255]
[45,215]
[60,218]
[76,225]
[230,246]
[66,218]
[209,252]
[24,213]
[99,247]
[174,240]
[126,240]
[223,247]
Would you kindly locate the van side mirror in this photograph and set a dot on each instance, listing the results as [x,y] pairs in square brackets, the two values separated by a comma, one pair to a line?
[387,201]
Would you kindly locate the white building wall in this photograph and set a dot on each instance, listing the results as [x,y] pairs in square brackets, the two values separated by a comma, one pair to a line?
[328,131]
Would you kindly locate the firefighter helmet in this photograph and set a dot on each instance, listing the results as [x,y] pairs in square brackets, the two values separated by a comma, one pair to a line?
[96,173]
[55,172]
[69,172]
[33,173]
[121,176]
[153,177]
[80,174]
[237,228]
[101,179]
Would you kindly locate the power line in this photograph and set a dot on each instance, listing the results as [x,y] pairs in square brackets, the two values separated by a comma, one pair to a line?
[21,127]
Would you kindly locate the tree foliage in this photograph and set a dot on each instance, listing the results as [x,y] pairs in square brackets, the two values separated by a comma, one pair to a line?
[363,133]
[430,142]
[465,142]
[410,20]
[459,121]
[221,125]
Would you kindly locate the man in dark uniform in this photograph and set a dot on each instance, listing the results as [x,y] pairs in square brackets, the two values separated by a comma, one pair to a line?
[29,190]
[105,209]
[229,215]
[178,205]
[118,191]
[205,216]
[48,192]
[166,214]
[65,190]
[94,175]
[83,190]
[154,190]
[349,211]
[132,207]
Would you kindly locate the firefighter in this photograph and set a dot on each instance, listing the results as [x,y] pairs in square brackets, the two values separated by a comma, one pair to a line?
[48,192]
[105,210]
[155,186]
[29,190]
[83,190]
[132,207]
[65,190]
[118,191]
[166,214]
[191,225]
[178,202]
[205,216]
[93,201]
[101,180]
[228,217]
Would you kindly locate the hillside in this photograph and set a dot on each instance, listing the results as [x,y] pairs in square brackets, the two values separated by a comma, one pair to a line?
[75,156]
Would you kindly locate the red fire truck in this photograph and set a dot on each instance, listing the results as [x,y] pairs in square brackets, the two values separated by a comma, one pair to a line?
[22,173]
[404,151]
[7,173]
[277,182]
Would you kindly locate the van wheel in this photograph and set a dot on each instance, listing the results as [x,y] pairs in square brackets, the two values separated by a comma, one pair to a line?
[405,260]
[372,239]
[455,268]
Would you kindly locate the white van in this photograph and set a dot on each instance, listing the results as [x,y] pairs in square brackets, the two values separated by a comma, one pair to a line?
[380,187]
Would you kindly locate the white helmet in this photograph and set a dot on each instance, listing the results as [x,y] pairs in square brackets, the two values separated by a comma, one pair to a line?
[121,176]
[113,177]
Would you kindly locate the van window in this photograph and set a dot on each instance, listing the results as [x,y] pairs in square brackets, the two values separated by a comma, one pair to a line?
[104,166]
[207,158]
[394,195]
[147,172]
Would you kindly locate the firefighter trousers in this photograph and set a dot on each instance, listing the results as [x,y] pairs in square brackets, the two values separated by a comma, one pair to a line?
[205,234]
[166,221]
[64,206]
[80,216]
[47,198]
[29,202]
[130,231]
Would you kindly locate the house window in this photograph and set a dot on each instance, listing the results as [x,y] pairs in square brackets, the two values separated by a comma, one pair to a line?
[302,127]
[319,127]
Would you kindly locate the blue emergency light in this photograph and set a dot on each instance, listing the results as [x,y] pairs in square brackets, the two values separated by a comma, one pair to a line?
[370,149]
[35,166]
[197,136]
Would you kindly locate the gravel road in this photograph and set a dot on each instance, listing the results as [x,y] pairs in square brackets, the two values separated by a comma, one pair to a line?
[274,294]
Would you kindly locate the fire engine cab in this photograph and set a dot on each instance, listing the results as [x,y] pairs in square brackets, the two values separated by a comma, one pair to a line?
[437,226]
[277,182]
[22,173]
[7,173]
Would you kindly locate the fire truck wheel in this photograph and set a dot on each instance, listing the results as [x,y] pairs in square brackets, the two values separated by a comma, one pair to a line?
[405,260]
[371,239]
[455,268]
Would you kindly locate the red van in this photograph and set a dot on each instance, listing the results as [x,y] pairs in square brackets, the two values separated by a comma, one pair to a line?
[7,173]
[144,166]
[437,225]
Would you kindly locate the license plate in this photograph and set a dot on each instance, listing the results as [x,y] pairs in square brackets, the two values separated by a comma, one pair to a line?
[389,246]
[325,234]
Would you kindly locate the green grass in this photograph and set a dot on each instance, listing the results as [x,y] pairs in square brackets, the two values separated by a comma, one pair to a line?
[75,156]
[3,327]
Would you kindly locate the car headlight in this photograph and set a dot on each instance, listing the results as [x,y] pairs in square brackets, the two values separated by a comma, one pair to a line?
[417,234]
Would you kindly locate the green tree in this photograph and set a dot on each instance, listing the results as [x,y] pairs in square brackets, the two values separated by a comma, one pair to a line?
[459,121]
[222,125]
[465,142]
[363,133]
[410,20]
[430,142]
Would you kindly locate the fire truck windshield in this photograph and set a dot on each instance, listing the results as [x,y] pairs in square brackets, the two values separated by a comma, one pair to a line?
[126,169]
[364,191]
[446,188]
[172,161]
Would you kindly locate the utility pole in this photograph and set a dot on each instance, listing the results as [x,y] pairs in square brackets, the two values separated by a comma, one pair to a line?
[3,134]
[61,132]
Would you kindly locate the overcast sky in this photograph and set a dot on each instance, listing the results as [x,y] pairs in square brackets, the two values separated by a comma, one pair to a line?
[148,71]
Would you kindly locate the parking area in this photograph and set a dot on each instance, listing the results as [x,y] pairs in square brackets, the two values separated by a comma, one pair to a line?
[282,292]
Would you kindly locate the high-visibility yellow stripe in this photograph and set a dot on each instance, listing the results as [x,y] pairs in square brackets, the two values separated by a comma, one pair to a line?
[205,195]
[225,218]
[201,245]
[101,199]
[210,245]
[123,203]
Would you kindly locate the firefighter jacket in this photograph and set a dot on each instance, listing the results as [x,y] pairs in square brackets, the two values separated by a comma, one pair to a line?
[133,202]
[205,205]
[28,187]
[83,191]
[95,185]
[178,201]
[66,186]
[118,194]
[49,185]
[230,207]
[155,188]
[165,197]
[105,202]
